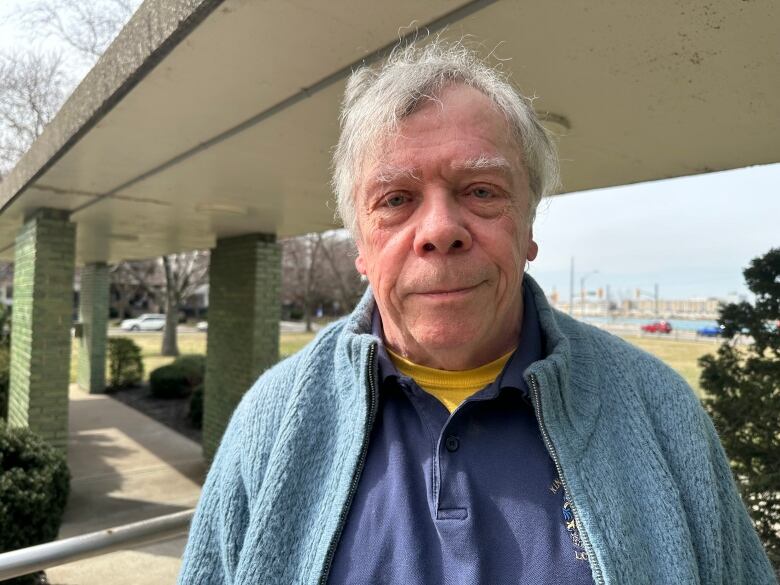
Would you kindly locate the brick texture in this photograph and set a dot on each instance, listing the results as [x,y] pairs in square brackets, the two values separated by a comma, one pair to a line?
[93,312]
[243,335]
[41,321]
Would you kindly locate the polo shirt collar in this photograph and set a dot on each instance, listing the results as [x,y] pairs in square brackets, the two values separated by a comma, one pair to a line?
[529,348]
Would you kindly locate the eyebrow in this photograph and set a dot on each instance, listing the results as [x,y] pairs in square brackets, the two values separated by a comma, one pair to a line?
[484,163]
[390,173]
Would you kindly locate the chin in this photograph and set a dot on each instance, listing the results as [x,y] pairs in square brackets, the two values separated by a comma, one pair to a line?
[452,334]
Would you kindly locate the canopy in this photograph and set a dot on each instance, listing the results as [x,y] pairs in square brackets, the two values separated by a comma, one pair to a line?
[207,119]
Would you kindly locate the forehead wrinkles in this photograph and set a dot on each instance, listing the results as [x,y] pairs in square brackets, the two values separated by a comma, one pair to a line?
[374,167]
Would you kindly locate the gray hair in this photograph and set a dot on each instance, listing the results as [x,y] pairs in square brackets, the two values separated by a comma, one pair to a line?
[377,99]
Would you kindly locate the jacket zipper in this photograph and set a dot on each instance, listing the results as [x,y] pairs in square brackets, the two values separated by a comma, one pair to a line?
[359,470]
[548,443]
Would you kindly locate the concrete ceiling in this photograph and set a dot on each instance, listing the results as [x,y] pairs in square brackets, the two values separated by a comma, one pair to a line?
[196,124]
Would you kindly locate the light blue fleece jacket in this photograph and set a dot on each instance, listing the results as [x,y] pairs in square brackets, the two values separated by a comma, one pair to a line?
[640,459]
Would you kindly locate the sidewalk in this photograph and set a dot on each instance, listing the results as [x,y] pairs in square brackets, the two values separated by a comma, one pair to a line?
[125,467]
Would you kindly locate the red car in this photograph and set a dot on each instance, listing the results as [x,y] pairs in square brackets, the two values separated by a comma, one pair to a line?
[657,327]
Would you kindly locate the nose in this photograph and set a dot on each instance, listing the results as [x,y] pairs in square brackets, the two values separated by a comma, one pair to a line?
[441,228]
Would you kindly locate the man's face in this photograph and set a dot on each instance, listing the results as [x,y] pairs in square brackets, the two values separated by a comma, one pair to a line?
[443,232]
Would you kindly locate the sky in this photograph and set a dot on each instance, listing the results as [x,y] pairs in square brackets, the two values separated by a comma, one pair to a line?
[692,236]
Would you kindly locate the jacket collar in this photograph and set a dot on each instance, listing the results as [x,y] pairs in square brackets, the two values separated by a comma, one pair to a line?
[568,378]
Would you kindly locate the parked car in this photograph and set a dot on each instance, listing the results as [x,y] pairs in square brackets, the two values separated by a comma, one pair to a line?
[711,331]
[657,327]
[146,322]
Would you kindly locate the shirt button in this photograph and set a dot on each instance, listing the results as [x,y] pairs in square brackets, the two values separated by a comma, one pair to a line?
[452,443]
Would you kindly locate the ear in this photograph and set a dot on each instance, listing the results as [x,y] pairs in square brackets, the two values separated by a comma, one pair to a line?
[533,247]
[360,264]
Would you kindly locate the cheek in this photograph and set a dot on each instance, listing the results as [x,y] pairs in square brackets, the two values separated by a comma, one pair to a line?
[384,258]
[511,240]
[506,246]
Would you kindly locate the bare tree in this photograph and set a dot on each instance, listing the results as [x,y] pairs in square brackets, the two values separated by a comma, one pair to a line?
[86,26]
[318,269]
[169,281]
[340,252]
[300,269]
[34,83]
[137,279]
[32,87]
[184,273]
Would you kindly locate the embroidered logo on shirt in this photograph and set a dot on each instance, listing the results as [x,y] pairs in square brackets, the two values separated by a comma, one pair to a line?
[570,522]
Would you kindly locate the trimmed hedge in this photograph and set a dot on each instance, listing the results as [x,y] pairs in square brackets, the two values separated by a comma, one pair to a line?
[179,378]
[125,366]
[193,366]
[168,382]
[34,486]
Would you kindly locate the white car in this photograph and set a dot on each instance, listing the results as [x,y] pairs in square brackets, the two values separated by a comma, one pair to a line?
[146,322]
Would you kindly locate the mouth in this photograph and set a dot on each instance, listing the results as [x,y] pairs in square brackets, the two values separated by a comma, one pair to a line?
[448,293]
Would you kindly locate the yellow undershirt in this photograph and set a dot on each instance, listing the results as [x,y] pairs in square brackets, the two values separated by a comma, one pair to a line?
[450,387]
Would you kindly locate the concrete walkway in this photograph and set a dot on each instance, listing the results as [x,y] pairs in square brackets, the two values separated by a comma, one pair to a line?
[125,467]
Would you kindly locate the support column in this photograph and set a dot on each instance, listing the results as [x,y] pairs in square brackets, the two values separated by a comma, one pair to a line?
[41,323]
[93,308]
[243,317]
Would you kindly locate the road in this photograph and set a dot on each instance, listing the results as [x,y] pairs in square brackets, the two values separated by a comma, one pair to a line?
[675,335]
[284,327]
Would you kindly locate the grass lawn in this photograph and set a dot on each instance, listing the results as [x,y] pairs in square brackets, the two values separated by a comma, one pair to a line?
[150,344]
[680,355]
[289,343]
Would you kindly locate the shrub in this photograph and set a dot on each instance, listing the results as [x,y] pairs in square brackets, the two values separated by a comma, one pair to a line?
[168,382]
[196,407]
[5,325]
[194,368]
[743,383]
[179,378]
[34,485]
[5,370]
[125,366]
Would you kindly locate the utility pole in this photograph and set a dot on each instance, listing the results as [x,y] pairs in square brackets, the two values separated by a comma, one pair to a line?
[656,299]
[571,288]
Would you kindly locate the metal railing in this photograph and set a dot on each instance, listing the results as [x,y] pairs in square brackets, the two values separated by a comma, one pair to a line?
[40,557]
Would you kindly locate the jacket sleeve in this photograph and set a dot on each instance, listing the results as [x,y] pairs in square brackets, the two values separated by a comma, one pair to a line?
[218,527]
[744,558]
[726,545]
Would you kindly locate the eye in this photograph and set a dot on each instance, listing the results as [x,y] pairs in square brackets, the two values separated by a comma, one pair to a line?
[481,192]
[395,200]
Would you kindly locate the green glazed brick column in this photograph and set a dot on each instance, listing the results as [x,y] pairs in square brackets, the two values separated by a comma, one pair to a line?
[243,334]
[41,322]
[93,308]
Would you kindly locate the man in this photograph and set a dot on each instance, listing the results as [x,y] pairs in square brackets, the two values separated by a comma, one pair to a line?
[455,428]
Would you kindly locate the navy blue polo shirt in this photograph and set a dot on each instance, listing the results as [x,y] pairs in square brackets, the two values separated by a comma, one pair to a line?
[469,497]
